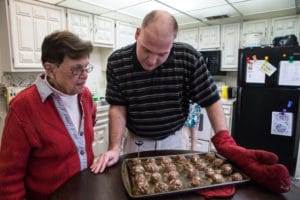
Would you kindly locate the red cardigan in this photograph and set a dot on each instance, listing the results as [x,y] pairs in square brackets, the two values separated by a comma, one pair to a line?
[37,154]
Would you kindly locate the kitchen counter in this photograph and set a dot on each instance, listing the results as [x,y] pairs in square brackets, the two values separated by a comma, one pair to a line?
[228,101]
[88,186]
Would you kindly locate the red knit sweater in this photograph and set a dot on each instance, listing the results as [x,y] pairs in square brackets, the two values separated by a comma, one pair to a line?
[37,154]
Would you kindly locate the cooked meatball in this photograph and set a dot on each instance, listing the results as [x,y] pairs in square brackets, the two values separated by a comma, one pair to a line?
[218,178]
[136,161]
[192,172]
[201,165]
[139,178]
[209,172]
[170,167]
[150,160]
[137,169]
[165,160]
[161,187]
[181,159]
[196,181]
[210,156]
[152,167]
[175,184]
[143,187]
[226,169]
[155,177]
[236,176]
[218,162]
[173,175]
[195,158]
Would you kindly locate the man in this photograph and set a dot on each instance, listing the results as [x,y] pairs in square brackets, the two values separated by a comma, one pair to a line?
[149,85]
[48,131]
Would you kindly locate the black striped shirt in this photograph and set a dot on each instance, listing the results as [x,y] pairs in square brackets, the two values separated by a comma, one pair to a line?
[157,101]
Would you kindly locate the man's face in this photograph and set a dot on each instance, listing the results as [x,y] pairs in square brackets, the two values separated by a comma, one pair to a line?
[152,48]
[66,78]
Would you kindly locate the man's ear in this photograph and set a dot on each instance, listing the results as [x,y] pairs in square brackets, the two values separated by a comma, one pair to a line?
[137,33]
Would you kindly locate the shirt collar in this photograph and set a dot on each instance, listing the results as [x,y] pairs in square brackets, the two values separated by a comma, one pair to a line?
[43,87]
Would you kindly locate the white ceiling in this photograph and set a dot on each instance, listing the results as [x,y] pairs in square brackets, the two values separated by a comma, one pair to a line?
[186,11]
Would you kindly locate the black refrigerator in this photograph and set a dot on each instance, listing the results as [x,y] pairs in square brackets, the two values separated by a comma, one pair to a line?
[268,98]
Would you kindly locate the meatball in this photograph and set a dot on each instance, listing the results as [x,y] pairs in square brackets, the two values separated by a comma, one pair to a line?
[150,160]
[210,156]
[236,176]
[173,175]
[218,162]
[175,184]
[170,167]
[218,178]
[196,181]
[161,187]
[152,167]
[201,165]
[192,172]
[195,158]
[137,169]
[143,187]
[155,177]
[165,160]
[181,159]
[209,172]
[136,161]
[139,178]
[226,169]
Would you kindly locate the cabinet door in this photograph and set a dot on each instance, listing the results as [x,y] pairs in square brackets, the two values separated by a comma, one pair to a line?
[189,36]
[209,37]
[230,46]
[30,23]
[125,34]
[100,142]
[285,26]
[80,23]
[104,32]
[259,27]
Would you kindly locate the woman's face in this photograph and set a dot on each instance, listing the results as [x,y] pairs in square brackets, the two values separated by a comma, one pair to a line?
[70,76]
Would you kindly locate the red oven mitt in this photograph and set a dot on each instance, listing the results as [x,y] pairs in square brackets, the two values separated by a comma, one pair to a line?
[219,192]
[261,166]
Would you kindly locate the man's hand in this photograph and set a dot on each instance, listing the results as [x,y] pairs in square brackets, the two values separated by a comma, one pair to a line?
[106,159]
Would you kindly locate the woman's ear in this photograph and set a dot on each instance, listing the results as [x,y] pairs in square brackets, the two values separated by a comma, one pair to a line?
[49,67]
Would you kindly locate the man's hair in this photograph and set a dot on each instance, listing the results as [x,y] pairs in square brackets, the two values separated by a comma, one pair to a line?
[59,44]
[154,15]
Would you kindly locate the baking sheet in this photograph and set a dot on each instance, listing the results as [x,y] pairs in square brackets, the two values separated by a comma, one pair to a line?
[130,173]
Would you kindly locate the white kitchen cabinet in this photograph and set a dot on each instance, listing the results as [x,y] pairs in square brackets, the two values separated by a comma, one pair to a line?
[104,31]
[24,26]
[253,32]
[80,23]
[189,36]
[285,26]
[209,37]
[230,46]
[125,34]
[99,30]
[100,143]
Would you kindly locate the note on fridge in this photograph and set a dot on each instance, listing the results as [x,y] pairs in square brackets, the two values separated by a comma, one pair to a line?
[282,123]
[289,73]
[253,72]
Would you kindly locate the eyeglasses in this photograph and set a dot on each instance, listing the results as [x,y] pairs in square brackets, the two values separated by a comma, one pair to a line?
[79,69]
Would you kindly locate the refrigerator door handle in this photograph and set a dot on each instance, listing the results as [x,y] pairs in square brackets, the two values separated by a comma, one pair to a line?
[239,102]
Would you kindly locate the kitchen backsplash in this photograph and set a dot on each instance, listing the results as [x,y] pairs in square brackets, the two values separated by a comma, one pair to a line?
[17,79]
